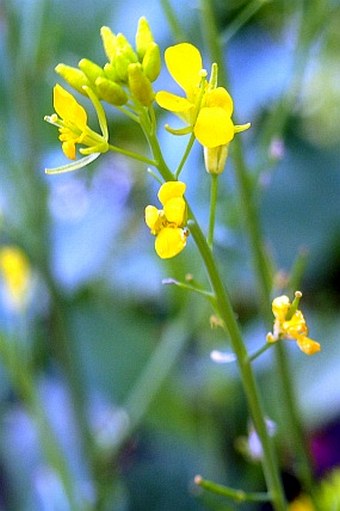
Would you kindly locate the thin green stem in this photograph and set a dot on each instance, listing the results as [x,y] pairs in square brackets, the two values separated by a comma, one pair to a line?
[226,312]
[212,37]
[264,279]
[244,16]
[259,352]
[133,155]
[185,155]
[22,379]
[250,213]
[176,28]
[231,493]
[304,461]
[213,204]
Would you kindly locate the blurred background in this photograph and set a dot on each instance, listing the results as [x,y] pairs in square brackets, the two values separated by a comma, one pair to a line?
[109,399]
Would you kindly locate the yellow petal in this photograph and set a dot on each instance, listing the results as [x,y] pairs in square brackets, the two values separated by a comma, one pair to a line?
[175,211]
[214,127]
[184,63]
[170,242]
[171,189]
[152,218]
[219,97]
[307,345]
[68,108]
[295,326]
[280,307]
[172,102]
[69,149]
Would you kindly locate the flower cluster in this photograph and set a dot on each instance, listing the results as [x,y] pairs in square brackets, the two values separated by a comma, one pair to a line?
[290,323]
[128,73]
[168,224]
[206,108]
[125,80]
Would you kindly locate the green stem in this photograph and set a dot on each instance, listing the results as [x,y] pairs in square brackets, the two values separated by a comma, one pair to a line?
[185,155]
[261,350]
[177,31]
[250,212]
[213,39]
[225,310]
[269,462]
[22,380]
[264,280]
[213,203]
[236,495]
[132,155]
[245,15]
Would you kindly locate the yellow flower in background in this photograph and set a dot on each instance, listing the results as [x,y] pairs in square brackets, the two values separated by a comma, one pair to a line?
[71,119]
[206,108]
[302,503]
[290,323]
[16,274]
[168,224]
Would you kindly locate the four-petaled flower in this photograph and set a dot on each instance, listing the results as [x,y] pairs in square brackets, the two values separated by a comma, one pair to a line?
[168,224]
[207,109]
[290,323]
[71,119]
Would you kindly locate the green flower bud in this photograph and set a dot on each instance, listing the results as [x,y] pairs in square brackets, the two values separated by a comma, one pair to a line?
[152,62]
[144,37]
[73,76]
[125,55]
[110,71]
[125,48]
[139,85]
[111,92]
[90,69]
[215,158]
[109,42]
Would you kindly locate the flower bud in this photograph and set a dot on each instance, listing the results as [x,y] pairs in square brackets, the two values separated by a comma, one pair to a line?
[109,42]
[110,71]
[125,56]
[111,92]
[140,85]
[215,158]
[144,37]
[152,62]
[90,69]
[73,76]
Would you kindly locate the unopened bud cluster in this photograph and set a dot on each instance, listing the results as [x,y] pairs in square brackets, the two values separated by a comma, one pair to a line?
[128,73]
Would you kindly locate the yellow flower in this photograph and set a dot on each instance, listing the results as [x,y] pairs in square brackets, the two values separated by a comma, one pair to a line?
[16,274]
[302,503]
[167,224]
[71,119]
[207,109]
[290,323]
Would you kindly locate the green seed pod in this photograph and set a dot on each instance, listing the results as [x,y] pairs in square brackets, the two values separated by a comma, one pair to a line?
[109,42]
[152,62]
[111,92]
[90,69]
[139,85]
[73,76]
[144,37]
